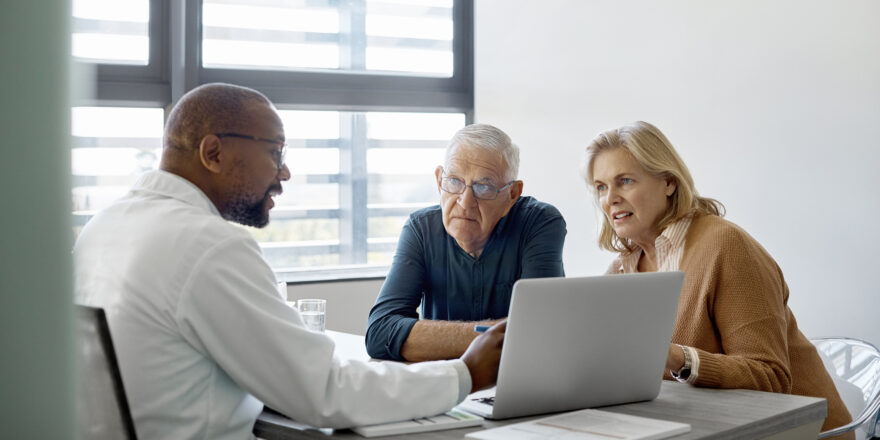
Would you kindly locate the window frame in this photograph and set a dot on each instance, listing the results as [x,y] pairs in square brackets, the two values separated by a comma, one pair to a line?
[175,67]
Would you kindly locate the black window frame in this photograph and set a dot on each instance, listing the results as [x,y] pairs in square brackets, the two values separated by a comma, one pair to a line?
[175,67]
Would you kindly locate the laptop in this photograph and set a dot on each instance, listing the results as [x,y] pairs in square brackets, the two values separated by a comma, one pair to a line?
[585,342]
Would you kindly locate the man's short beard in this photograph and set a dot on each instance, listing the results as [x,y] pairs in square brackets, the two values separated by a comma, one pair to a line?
[249,213]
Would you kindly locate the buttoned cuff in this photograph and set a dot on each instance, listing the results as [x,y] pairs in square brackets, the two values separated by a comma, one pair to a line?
[464,379]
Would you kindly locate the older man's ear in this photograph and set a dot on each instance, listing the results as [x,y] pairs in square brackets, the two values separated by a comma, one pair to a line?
[438,174]
[516,190]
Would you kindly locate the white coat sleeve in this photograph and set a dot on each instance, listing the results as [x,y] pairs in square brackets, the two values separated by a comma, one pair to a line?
[230,311]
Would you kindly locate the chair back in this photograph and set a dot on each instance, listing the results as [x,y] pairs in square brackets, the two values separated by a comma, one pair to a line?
[102,408]
[854,365]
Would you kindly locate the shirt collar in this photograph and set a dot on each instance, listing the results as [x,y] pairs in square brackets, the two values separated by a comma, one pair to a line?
[671,238]
[176,187]
[674,234]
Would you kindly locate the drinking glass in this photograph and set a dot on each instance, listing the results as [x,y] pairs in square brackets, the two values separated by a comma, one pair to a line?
[313,312]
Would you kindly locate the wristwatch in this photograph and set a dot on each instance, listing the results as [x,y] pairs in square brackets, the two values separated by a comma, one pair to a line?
[685,371]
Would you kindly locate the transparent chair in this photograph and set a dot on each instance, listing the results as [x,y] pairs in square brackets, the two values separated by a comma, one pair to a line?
[855,367]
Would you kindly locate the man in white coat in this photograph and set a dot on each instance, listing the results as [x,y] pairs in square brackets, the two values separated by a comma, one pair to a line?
[202,336]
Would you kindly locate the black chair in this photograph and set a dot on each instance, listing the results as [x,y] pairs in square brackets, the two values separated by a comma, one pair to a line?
[102,409]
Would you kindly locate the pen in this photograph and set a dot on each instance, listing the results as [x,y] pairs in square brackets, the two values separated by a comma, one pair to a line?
[481,328]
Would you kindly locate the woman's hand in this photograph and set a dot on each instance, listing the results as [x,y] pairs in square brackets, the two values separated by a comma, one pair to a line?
[675,358]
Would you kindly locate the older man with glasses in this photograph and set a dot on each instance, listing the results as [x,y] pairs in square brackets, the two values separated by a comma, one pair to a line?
[459,260]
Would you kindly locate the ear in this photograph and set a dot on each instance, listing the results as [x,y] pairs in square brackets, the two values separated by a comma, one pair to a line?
[671,186]
[516,190]
[209,153]
[438,174]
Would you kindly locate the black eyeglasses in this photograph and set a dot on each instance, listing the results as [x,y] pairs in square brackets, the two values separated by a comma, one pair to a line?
[278,155]
[482,191]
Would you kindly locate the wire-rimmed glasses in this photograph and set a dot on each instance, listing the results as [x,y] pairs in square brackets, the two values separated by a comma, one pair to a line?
[278,155]
[482,191]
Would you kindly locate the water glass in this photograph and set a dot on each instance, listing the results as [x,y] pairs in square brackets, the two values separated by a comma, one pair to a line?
[313,312]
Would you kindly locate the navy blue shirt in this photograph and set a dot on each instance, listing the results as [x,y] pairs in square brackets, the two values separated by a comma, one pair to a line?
[431,270]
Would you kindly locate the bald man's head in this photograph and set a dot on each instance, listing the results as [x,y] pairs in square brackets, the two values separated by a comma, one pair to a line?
[209,109]
[228,141]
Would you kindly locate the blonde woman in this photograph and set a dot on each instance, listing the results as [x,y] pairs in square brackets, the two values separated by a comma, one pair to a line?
[734,328]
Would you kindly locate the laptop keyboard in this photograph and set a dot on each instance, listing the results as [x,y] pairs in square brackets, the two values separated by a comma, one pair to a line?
[486,400]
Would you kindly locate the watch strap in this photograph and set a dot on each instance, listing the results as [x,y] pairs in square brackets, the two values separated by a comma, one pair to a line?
[684,372]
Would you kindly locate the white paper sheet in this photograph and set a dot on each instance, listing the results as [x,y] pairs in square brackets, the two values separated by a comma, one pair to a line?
[588,424]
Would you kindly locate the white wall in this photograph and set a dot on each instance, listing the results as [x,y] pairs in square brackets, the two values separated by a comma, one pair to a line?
[774,105]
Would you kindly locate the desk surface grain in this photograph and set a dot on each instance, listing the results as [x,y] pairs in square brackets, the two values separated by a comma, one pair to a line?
[712,413]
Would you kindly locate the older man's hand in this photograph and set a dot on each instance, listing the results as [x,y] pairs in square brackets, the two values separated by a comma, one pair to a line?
[483,356]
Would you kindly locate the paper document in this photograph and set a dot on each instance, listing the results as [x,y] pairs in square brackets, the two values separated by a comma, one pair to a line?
[451,419]
[588,424]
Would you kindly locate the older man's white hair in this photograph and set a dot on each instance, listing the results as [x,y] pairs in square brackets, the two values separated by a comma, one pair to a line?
[488,138]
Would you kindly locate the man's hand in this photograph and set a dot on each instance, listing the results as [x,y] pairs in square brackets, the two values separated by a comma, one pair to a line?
[483,356]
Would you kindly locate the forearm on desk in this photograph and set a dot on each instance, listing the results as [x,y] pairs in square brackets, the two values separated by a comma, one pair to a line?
[433,340]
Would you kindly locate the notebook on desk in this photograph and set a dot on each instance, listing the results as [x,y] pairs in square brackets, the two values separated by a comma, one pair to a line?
[575,343]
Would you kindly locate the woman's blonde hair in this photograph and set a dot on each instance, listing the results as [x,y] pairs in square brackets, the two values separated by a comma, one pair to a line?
[655,154]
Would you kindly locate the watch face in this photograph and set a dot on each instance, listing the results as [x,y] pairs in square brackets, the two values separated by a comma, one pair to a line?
[682,374]
[685,371]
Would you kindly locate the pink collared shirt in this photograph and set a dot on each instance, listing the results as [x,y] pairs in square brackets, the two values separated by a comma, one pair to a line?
[670,248]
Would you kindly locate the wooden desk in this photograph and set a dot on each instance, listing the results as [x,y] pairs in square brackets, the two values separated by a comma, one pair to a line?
[712,414]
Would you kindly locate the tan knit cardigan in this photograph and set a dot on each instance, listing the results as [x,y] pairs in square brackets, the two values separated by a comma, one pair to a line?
[733,310]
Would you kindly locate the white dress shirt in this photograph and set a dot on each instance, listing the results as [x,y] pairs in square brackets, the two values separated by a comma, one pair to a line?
[203,338]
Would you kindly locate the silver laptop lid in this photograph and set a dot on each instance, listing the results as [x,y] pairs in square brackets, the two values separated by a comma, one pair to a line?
[584,342]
